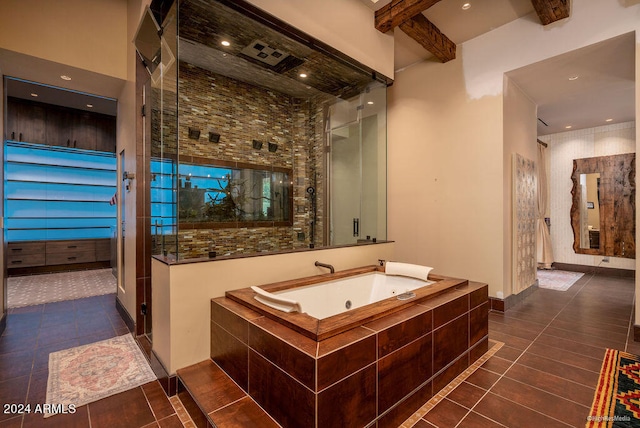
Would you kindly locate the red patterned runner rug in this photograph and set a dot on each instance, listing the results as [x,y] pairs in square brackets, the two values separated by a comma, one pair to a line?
[88,373]
[617,398]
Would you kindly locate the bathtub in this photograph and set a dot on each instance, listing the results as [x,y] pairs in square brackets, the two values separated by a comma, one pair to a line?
[330,304]
[330,298]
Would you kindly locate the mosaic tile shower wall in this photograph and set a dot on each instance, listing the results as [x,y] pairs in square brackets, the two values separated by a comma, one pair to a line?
[241,113]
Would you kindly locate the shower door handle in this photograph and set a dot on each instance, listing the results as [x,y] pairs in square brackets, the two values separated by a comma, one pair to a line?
[356,227]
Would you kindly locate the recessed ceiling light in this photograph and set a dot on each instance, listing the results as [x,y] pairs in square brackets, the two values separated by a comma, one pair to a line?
[33,94]
[370,102]
[568,127]
[65,77]
[225,43]
[609,120]
[90,105]
[374,1]
[466,6]
[574,77]
[303,75]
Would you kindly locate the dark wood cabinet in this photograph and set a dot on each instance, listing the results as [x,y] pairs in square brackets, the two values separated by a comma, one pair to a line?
[26,122]
[44,256]
[25,254]
[59,124]
[105,133]
[33,122]
[83,131]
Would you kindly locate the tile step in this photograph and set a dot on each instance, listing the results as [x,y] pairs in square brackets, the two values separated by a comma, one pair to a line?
[213,399]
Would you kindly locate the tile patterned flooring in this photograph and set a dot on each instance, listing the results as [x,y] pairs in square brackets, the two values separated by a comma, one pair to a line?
[546,372]
[32,290]
[33,332]
[543,376]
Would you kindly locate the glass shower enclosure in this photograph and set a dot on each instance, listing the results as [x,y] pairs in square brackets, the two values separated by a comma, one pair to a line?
[262,139]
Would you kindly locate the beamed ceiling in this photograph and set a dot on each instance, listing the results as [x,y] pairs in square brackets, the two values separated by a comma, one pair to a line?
[409,16]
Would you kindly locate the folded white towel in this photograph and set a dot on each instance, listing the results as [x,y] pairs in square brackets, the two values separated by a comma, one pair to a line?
[407,269]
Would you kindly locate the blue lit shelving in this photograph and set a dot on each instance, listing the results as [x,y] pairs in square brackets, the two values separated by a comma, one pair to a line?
[56,192]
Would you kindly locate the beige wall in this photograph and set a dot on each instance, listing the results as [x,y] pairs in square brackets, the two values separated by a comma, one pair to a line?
[346,25]
[182,293]
[447,148]
[89,35]
[519,131]
[564,147]
[445,178]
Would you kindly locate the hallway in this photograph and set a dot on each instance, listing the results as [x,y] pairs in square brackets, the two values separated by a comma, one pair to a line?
[544,375]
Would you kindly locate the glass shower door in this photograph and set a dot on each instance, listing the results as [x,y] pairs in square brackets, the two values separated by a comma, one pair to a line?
[346,184]
[357,168]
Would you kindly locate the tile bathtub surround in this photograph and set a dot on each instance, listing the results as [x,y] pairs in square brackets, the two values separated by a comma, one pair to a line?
[368,369]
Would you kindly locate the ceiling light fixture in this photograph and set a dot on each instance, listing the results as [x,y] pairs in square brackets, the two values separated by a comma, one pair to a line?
[466,6]
[568,127]
[370,102]
[303,75]
[65,77]
[90,105]
[609,120]
[225,43]
[33,94]
[574,77]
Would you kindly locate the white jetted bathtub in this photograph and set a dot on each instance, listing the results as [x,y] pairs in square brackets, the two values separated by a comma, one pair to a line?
[333,297]
[323,306]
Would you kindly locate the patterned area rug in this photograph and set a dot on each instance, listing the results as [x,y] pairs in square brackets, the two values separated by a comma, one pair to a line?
[617,398]
[55,287]
[88,373]
[559,280]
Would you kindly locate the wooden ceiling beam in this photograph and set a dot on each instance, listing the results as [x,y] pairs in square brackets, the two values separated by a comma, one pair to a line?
[430,37]
[550,11]
[398,11]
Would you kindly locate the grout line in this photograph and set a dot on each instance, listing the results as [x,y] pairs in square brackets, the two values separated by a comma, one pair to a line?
[442,394]
[524,351]
[180,410]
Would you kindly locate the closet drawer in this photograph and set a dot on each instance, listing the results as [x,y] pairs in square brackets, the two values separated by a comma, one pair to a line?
[69,257]
[103,250]
[18,248]
[25,260]
[71,246]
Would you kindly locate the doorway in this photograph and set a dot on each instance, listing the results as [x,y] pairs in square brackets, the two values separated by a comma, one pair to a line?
[59,167]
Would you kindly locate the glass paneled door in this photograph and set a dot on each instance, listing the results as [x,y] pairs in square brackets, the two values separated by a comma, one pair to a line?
[357,168]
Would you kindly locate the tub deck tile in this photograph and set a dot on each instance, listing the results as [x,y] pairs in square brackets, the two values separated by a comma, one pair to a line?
[210,387]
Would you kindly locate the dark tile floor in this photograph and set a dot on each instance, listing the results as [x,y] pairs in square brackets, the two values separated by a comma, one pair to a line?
[544,375]
[33,332]
[546,372]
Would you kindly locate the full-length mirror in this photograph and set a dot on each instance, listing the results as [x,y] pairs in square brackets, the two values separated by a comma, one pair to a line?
[603,209]
[262,139]
[590,210]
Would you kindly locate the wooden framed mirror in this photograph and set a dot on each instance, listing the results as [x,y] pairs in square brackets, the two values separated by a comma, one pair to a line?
[603,211]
